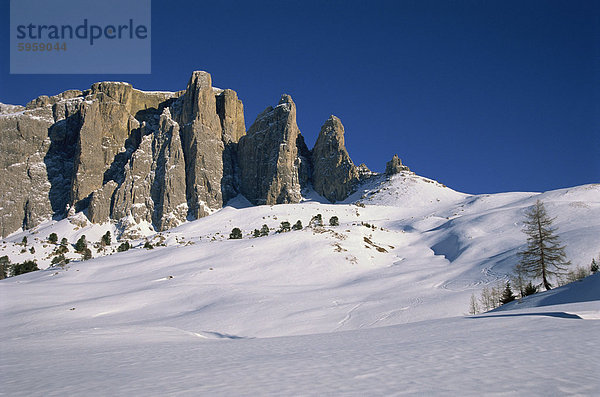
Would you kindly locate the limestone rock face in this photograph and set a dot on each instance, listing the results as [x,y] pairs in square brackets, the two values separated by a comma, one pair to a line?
[99,210]
[153,190]
[106,125]
[334,173]
[118,152]
[25,189]
[231,113]
[202,143]
[168,189]
[269,157]
[8,109]
[132,197]
[154,159]
[394,166]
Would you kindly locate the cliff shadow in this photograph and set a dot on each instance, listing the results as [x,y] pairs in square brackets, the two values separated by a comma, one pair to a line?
[59,161]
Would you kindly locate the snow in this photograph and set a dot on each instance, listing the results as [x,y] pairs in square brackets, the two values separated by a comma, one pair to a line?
[374,306]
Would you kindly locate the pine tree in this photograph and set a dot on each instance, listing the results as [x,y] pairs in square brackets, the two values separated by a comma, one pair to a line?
[508,295]
[285,227]
[53,238]
[124,247]
[81,244]
[264,230]
[24,241]
[25,267]
[4,266]
[334,221]
[256,233]
[544,256]
[473,305]
[106,239]
[594,266]
[316,220]
[297,225]
[530,289]
[86,254]
[235,234]
[519,279]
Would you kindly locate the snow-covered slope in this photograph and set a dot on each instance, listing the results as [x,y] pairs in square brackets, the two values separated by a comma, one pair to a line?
[389,262]
[550,351]
[412,251]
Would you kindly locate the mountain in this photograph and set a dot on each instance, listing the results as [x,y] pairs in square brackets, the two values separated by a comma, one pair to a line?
[373,306]
[158,158]
[370,303]
[409,249]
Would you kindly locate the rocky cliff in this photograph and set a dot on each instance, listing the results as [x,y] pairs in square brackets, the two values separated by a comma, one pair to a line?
[334,173]
[121,154]
[273,157]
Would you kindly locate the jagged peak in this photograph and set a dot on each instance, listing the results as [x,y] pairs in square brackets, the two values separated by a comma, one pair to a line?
[286,98]
[199,80]
[395,166]
[332,130]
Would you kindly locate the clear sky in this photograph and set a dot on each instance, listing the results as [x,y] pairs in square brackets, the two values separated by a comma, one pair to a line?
[483,96]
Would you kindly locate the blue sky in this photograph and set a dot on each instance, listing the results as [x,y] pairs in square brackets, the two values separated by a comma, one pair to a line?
[483,96]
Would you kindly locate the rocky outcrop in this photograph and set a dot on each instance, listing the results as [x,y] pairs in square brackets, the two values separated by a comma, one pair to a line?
[269,157]
[101,203]
[24,186]
[169,189]
[155,159]
[201,137]
[70,151]
[394,166]
[231,113]
[364,172]
[334,174]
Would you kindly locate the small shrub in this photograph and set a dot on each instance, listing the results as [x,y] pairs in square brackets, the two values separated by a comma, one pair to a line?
[235,234]
[53,238]
[577,274]
[4,266]
[32,250]
[86,254]
[106,239]
[285,227]
[61,249]
[60,260]
[124,247]
[530,289]
[297,225]
[25,267]
[316,220]
[148,245]
[24,241]
[81,244]
[264,230]
[334,221]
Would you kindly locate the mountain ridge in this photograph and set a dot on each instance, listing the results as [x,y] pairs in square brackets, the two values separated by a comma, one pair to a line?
[117,152]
